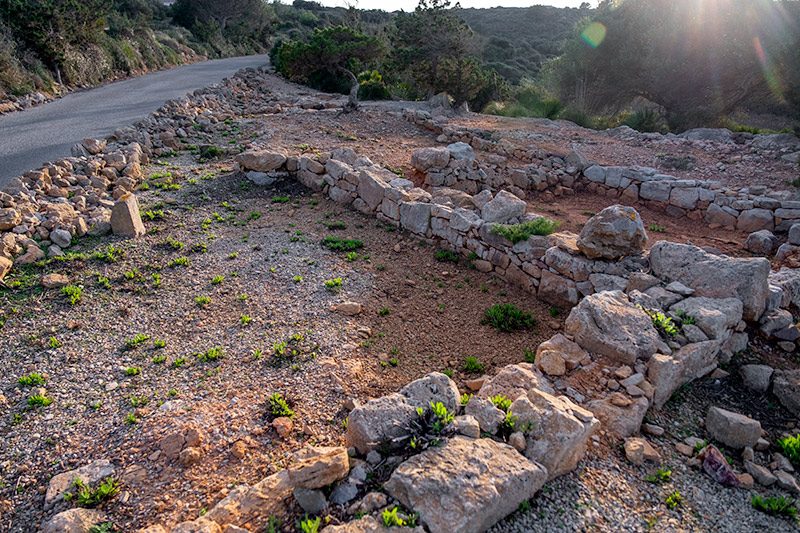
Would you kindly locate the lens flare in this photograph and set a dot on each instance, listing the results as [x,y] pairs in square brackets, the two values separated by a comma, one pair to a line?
[594,34]
[768,69]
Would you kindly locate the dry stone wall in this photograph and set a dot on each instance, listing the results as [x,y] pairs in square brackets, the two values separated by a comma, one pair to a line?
[748,209]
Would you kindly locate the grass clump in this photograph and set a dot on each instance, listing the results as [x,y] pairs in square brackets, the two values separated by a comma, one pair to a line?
[310,525]
[507,317]
[342,245]
[279,406]
[521,232]
[390,518]
[775,506]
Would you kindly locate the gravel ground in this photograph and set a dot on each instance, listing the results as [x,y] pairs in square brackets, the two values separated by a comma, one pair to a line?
[419,315]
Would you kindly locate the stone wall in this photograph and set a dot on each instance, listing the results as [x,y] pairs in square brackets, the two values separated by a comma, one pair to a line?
[748,209]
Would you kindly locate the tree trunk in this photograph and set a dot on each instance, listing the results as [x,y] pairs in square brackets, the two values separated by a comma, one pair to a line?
[352,98]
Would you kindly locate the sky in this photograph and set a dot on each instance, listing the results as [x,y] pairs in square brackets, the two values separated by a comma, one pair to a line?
[409,5]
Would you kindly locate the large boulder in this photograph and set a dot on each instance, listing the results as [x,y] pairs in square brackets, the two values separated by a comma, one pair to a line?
[261,160]
[714,316]
[557,431]
[732,429]
[614,232]
[514,381]
[467,485]
[714,276]
[607,323]
[666,373]
[503,208]
[381,420]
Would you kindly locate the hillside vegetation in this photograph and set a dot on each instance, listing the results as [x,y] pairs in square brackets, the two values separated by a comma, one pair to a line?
[654,65]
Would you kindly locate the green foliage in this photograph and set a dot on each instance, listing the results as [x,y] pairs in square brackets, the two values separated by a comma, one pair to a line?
[342,245]
[646,120]
[446,256]
[279,406]
[212,354]
[39,400]
[791,448]
[32,380]
[674,499]
[310,525]
[661,321]
[372,87]
[521,232]
[332,54]
[630,48]
[507,317]
[527,101]
[390,518]
[73,294]
[501,402]
[661,475]
[334,284]
[90,497]
[472,365]
[775,506]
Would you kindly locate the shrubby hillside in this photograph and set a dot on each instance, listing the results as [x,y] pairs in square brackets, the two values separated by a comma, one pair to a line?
[517,41]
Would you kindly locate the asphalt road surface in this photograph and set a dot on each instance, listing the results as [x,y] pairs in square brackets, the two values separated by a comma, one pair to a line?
[46,133]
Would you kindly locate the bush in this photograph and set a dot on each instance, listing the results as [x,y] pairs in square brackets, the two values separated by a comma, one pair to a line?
[371,86]
[521,232]
[646,120]
[578,116]
[506,317]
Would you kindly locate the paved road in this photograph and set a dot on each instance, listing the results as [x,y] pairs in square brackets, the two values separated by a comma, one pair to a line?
[46,133]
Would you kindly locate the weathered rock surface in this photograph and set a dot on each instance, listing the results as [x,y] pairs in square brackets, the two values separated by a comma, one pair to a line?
[90,474]
[621,418]
[125,217]
[73,521]
[514,381]
[245,504]
[756,377]
[368,524]
[503,208]
[261,161]
[557,431]
[607,323]
[384,419]
[713,316]
[467,485]
[319,466]
[714,276]
[732,429]
[786,387]
[614,232]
